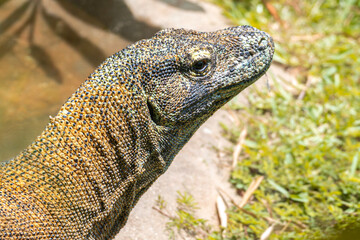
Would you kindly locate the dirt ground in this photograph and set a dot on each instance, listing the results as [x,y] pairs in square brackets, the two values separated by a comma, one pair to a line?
[75,44]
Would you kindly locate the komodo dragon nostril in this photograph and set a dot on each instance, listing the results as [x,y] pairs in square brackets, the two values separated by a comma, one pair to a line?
[263,43]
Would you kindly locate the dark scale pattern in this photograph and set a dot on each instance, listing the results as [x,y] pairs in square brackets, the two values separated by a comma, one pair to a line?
[121,129]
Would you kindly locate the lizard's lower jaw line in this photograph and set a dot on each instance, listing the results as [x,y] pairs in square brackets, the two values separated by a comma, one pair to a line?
[223,93]
[260,59]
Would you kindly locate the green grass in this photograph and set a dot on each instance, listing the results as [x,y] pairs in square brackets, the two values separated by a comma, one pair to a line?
[304,141]
[184,222]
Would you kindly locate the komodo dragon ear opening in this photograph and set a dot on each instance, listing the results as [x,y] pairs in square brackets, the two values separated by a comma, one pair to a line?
[154,115]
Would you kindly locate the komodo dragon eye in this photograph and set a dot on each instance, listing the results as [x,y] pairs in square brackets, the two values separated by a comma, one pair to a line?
[200,66]
[200,62]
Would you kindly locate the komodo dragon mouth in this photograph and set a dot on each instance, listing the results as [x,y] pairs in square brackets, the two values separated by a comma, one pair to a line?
[122,128]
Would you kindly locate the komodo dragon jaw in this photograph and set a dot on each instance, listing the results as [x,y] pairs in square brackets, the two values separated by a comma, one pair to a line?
[122,128]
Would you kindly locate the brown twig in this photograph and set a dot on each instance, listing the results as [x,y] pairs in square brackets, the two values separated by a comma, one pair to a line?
[163,213]
[267,206]
[303,91]
[307,38]
[273,12]
[268,219]
[285,227]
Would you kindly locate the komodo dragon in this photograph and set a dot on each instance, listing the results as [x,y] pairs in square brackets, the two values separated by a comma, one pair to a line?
[121,129]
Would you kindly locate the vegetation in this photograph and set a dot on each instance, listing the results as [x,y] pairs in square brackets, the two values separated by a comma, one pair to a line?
[303,136]
[184,223]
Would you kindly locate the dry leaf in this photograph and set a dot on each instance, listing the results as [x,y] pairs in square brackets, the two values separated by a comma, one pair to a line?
[238,147]
[221,209]
[267,232]
[251,189]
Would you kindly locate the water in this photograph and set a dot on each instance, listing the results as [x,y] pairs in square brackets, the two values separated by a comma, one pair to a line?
[46,51]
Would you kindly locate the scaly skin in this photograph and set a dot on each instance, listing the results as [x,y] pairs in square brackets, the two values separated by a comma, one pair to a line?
[121,129]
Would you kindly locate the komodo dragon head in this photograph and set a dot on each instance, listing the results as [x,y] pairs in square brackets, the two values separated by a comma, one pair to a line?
[188,75]
[121,129]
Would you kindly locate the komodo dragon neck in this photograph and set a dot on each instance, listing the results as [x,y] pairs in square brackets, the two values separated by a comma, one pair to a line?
[121,129]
